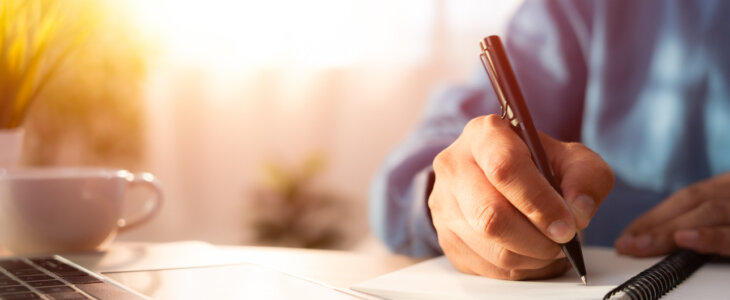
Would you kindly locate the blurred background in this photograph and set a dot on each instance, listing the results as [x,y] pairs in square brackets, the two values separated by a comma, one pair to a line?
[264,120]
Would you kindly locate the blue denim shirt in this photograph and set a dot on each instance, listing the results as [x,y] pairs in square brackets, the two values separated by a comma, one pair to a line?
[643,83]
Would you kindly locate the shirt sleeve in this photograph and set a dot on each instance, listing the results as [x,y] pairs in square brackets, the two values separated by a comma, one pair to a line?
[398,201]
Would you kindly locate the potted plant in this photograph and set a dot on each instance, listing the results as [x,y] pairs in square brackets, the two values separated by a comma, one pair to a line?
[36,36]
[290,209]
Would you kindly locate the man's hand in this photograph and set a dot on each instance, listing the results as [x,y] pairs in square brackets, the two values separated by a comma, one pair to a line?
[497,216]
[697,217]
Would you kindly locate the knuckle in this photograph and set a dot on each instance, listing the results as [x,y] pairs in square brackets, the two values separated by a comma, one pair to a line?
[545,213]
[492,121]
[442,163]
[476,124]
[600,170]
[433,202]
[578,152]
[484,125]
[575,147]
[437,200]
[603,172]
[536,211]
[501,166]
[489,223]
[582,151]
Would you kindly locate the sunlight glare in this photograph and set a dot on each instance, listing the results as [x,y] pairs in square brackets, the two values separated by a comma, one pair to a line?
[225,34]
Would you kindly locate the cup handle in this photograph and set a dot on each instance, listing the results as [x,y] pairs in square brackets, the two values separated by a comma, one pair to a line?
[151,208]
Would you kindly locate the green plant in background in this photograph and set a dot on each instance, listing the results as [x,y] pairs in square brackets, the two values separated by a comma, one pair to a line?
[36,37]
[72,71]
[290,210]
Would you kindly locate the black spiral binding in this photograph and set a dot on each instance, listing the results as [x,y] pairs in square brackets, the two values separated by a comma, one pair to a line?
[660,278]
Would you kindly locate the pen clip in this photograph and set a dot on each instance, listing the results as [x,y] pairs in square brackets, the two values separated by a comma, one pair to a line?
[505,109]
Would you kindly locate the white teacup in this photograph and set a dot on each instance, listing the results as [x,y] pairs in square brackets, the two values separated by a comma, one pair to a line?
[69,209]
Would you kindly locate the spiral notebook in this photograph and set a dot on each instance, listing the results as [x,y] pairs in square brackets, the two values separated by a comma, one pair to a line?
[661,278]
[437,279]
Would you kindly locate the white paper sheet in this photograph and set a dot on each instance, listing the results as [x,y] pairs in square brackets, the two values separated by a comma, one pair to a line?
[437,279]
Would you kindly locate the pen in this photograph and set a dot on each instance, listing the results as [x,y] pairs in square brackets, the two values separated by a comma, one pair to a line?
[495,62]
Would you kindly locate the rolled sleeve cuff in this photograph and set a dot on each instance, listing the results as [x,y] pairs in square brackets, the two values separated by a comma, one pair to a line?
[420,215]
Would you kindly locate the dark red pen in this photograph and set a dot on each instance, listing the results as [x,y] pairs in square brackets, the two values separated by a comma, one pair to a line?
[495,62]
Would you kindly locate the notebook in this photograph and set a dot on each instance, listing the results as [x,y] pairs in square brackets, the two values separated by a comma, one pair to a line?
[661,278]
[437,279]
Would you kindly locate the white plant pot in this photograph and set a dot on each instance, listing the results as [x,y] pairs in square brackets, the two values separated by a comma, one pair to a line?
[11,144]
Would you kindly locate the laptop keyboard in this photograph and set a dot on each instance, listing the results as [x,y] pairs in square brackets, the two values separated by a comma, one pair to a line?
[44,278]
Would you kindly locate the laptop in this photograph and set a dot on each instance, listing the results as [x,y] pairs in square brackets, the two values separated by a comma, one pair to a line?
[56,277]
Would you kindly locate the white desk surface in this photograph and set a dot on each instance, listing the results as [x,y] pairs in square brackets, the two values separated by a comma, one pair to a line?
[334,268]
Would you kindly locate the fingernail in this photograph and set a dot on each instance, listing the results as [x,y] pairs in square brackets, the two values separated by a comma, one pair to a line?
[560,255]
[642,242]
[687,237]
[584,204]
[560,231]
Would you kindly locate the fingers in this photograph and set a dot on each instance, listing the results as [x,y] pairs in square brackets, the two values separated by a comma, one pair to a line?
[492,219]
[661,239]
[714,240]
[499,253]
[677,204]
[484,219]
[471,261]
[512,232]
[507,164]
[586,179]
[466,260]
[479,230]
[693,217]
[680,202]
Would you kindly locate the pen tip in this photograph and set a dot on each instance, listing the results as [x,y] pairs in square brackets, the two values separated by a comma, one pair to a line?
[583,278]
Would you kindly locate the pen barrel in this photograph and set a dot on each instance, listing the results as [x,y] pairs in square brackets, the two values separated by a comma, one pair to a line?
[510,95]
[538,155]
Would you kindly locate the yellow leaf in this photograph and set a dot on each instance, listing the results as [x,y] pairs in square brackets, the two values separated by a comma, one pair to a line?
[25,90]
[16,55]
[47,29]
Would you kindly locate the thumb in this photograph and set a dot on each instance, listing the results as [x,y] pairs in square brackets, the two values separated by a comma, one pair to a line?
[585,178]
